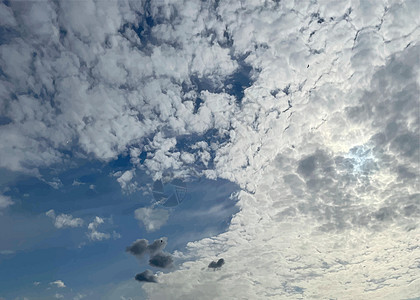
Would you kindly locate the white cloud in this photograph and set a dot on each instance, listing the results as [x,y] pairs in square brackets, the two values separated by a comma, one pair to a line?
[5,201]
[77,182]
[126,181]
[64,220]
[95,235]
[55,183]
[58,283]
[152,218]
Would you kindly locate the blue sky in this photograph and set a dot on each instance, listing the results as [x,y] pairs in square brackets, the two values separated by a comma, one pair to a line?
[43,253]
[285,133]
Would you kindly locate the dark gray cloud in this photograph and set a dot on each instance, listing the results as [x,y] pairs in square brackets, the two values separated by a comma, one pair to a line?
[146,276]
[141,246]
[161,260]
[157,246]
[138,248]
[217,265]
[158,258]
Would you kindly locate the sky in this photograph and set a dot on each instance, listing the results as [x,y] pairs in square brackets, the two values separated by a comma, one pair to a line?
[194,149]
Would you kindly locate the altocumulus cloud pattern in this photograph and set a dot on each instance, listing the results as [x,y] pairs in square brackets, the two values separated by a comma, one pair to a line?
[294,123]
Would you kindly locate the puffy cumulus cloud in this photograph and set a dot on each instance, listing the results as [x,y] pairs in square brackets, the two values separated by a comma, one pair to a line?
[94,235]
[152,218]
[64,220]
[146,276]
[58,283]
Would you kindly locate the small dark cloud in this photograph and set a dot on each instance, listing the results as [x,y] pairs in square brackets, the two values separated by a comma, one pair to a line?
[218,264]
[138,248]
[161,260]
[307,166]
[158,245]
[146,276]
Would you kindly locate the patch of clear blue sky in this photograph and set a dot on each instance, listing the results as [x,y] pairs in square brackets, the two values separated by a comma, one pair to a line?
[45,254]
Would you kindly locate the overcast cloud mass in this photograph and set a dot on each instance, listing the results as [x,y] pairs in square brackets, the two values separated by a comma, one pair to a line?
[292,128]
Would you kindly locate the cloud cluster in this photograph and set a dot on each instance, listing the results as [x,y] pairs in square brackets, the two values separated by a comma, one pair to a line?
[137,84]
[93,234]
[158,258]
